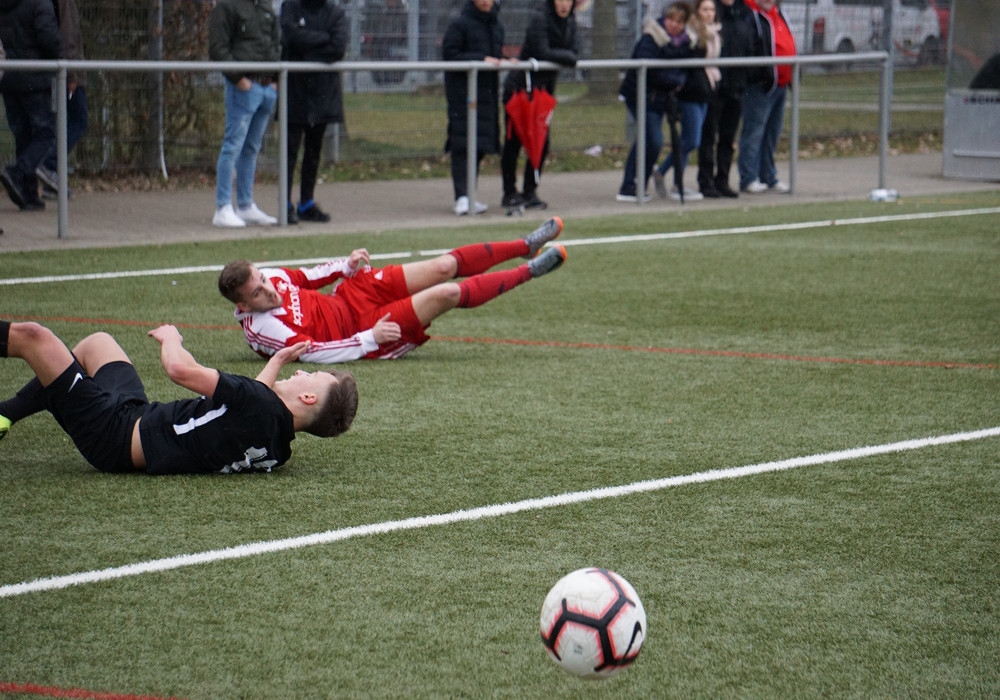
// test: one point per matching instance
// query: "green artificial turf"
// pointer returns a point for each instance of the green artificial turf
(638, 360)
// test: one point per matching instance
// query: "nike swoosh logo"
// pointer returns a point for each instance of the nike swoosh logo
(77, 378)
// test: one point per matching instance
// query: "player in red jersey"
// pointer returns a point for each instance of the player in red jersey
(375, 313)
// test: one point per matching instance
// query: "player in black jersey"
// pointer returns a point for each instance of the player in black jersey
(238, 424)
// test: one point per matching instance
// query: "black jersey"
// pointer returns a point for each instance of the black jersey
(243, 426)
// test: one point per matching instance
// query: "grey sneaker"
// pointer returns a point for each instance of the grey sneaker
(48, 177)
(548, 261)
(659, 184)
(549, 231)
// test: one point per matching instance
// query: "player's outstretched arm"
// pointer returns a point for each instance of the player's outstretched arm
(269, 375)
(180, 364)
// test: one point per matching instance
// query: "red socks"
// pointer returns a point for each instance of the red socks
(480, 289)
(477, 258)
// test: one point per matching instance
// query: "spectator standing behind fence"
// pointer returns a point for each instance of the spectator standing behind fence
(314, 31)
(764, 100)
(77, 111)
(551, 36)
(718, 134)
(693, 98)
(662, 38)
(243, 30)
(29, 31)
(476, 34)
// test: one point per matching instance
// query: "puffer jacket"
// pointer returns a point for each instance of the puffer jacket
(472, 36)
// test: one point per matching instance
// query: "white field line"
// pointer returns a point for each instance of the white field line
(739, 230)
(491, 511)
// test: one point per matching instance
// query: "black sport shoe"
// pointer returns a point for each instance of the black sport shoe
(549, 231)
(531, 201)
(12, 183)
(548, 261)
(510, 201)
(314, 213)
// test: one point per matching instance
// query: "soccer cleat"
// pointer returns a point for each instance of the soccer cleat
(253, 216)
(225, 217)
(4, 427)
(549, 231)
(547, 261)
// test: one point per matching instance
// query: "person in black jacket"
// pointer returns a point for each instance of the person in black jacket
(664, 38)
(551, 36)
(475, 35)
(29, 31)
(718, 136)
(313, 31)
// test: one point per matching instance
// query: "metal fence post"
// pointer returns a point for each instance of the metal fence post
(472, 138)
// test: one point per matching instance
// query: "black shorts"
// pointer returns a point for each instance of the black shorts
(99, 412)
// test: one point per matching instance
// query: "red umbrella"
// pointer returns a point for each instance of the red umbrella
(529, 113)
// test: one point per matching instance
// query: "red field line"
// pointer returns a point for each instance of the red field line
(941, 364)
(52, 692)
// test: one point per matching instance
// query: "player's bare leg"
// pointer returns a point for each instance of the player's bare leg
(44, 352)
(97, 350)
(49, 357)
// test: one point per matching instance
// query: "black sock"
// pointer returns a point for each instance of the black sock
(27, 402)
(4, 335)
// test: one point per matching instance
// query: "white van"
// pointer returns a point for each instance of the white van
(846, 26)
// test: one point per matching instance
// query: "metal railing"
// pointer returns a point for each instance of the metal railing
(472, 70)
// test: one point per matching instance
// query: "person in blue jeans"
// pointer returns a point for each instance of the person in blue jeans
(764, 100)
(28, 31)
(693, 98)
(243, 30)
(77, 110)
(661, 38)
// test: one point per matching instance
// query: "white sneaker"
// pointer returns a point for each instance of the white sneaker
(755, 187)
(633, 198)
(255, 217)
(780, 187)
(461, 206)
(689, 195)
(479, 208)
(225, 217)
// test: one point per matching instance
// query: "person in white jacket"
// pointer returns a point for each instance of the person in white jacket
(375, 313)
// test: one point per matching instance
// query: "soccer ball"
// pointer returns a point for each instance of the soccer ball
(593, 623)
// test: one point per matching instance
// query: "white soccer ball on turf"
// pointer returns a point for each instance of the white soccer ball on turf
(593, 623)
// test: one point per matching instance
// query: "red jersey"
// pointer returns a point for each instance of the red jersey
(337, 325)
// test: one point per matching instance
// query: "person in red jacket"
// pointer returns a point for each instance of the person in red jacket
(375, 313)
(764, 100)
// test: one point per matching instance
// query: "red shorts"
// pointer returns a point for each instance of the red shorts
(374, 292)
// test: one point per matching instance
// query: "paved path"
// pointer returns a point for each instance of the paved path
(150, 218)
